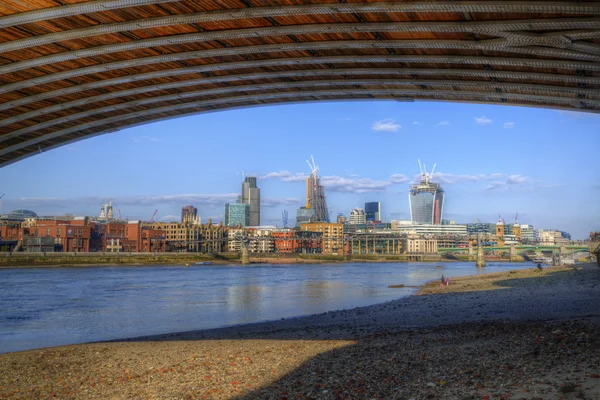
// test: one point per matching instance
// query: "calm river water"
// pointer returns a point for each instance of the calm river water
(42, 307)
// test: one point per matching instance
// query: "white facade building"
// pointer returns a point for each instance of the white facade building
(429, 229)
(357, 217)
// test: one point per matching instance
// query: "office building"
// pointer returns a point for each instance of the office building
(357, 217)
(417, 244)
(308, 242)
(373, 211)
(189, 215)
(303, 216)
(237, 214)
(429, 229)
(106, 212)
(315, 209)
(426, 200)
(285, 240)
(333, 235)
(341, 219)
(481, 227)
(251, 195)
(527, 233)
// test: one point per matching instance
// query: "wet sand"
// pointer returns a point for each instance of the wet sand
(520, 334)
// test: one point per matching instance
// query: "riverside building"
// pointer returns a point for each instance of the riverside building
(429, 229)
(333, 235)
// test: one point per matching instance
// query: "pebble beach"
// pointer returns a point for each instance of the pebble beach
(510, 335)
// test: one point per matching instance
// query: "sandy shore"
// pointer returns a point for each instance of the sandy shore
(520, 334)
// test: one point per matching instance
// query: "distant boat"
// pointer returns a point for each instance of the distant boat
(204, 263)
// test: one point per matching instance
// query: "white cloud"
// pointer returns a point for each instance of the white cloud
(495, 185)
(349, 184)
(443, 123)
(513, 181)
(399, 178)
(285, 176)
(354, 185)
(509, 125)
(169, 218)
(386, 125)
(483, 121)
(517, 179)
(53, 205)
(441, 177)
(42, 203)
(416, 122)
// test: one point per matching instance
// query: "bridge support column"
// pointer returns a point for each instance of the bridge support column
(514, 257)
(480, 263)
(245, 258)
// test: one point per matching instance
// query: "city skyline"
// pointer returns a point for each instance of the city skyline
(491, 160)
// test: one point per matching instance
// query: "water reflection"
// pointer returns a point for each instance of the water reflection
(48, 307)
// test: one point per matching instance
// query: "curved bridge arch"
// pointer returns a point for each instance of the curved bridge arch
(75, 71)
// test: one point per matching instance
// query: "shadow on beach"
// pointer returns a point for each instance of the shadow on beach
(517, 334)
(478, 340)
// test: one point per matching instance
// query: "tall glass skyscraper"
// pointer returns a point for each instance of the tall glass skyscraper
(251, 195)
(426, 200)
(237, 214)
(373, 211)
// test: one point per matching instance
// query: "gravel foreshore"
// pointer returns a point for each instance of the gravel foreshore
(511, 335)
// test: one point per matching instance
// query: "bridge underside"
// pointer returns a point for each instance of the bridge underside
(72, 69)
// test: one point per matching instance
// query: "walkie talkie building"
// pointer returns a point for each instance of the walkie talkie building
(426, 200)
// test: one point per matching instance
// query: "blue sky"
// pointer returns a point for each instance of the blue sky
(491, 160)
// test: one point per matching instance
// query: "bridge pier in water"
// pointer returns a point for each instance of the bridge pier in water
(480, 263)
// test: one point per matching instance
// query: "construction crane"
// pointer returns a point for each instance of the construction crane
(284, 216)
(153, 215)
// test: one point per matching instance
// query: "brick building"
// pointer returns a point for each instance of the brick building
(193, 238)
(285, 240)
(309, 242)
(69, 235)
(333, 235)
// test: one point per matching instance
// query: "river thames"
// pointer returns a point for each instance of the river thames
(43, 307)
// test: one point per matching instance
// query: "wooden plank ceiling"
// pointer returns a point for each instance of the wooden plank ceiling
(71, 69)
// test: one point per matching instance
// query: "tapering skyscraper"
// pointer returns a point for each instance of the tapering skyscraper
(316, 203)
(426, 199)
(251, 196)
